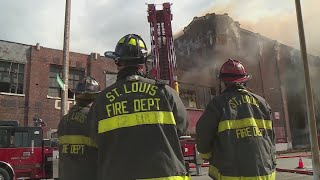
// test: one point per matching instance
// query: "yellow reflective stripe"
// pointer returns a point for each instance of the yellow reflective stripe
(244, 90)
(128, 120)
(77, 139)
(121, 40)
(141, 44)
(169, 178)
(206, 155)
(214, 172)
(132, 42)
(242, 123)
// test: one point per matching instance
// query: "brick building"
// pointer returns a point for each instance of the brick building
(277, 71)
(28, 85)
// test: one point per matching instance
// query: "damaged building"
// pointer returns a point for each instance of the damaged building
(277, 69)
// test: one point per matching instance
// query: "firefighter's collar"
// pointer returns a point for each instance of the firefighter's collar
(133, 78)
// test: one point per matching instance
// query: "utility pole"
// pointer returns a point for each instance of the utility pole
(66, 40)
(310, 107)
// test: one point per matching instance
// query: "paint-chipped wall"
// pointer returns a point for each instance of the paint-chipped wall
(12, 106)
(14, 52)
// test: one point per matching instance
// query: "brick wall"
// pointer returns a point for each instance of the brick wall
(35, 100)
(12, 107)
(46, 107)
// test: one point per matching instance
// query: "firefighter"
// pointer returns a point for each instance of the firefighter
(235, 132)
(38, 122)
(136, 121)
(77, 151)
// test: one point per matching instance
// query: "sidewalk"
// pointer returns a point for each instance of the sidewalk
(289, 163)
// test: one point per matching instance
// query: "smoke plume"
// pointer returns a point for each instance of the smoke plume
(275, 19)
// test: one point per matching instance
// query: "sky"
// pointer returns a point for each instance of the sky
(97, 25)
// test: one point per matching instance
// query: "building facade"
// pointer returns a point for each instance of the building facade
(208, 41)
(28, 80)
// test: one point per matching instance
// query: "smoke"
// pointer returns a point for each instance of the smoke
(270, 18)
(274, 19)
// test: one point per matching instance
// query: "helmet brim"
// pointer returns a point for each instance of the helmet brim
(236, 79)
(111, 55)
(86, 92)
(124, 60)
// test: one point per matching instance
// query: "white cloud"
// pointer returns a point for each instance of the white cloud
(97, 25)
(275, 19)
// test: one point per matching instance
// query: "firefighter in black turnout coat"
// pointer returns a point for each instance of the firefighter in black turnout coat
(77, 151)
(235, 133)
(136, 121)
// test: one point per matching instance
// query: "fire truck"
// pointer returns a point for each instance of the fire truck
(24, 154)
(163, 66)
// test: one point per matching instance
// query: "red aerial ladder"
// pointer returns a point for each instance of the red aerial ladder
(164, 64)
(162, 47)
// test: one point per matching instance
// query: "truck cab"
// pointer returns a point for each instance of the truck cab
(23, 152)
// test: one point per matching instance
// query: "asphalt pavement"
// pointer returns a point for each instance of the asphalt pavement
(279, 176)
(291, 162)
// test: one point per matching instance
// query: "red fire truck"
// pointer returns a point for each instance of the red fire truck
(24, 154)
(163, 67)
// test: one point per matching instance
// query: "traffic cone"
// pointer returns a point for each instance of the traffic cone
(300, 164)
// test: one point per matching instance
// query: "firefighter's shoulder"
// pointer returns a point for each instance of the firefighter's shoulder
(159, 82)
(162, 82)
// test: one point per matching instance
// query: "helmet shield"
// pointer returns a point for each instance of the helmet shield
(87, 85)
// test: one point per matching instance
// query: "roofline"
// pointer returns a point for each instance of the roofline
(46, 47)
(15, 42)
(62, 50)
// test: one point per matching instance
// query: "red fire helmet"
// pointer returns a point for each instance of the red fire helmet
(233, 71)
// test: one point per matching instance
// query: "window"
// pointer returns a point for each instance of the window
(188, 98)
(213, 92)
(54, 135)
(21, 139)
(221, 39)
(74, 77)
(4, 138)
(11, 77)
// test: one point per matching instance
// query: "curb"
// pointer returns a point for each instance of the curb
(305, 172)
(191, 165)
(293, 156)
(303, 150)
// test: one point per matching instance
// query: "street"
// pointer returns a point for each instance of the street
(279, 176)
(283, 163)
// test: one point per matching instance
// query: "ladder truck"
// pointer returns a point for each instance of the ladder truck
(164, 66)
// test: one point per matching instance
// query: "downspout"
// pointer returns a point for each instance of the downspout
(260, 58)
(27, 87)
(283, 98)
